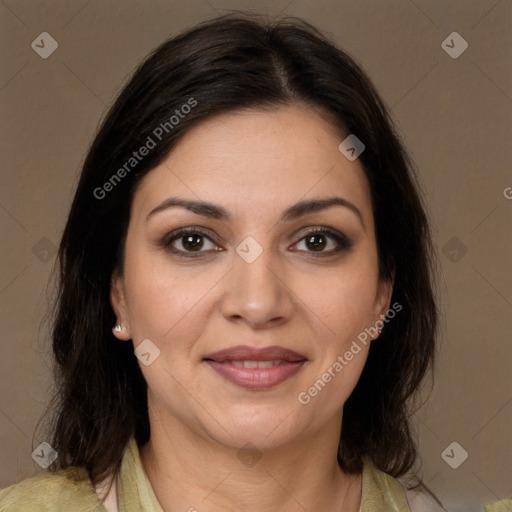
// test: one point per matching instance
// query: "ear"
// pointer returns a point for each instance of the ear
(383, 298)
(118, 302)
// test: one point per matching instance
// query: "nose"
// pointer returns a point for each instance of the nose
(258, 293)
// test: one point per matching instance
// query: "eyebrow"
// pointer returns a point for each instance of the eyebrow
(295, 211)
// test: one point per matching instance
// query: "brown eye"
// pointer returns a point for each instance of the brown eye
(317, 240)
(188, 241)
(192, 242)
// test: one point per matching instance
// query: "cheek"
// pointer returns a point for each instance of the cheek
(341, 350)
(341, 307)
(342, 301)
(167, 301)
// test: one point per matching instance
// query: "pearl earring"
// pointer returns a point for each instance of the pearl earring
(117, 329)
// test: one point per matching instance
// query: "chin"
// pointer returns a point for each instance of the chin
(264, 429)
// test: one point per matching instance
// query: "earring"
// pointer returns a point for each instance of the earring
(117, 329)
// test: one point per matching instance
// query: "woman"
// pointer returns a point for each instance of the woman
(246, 304)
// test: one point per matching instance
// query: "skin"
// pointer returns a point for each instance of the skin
(255, 164)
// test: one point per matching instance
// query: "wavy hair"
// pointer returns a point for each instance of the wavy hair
(234, 62)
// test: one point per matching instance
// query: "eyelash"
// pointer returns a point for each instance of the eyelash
(343, 242)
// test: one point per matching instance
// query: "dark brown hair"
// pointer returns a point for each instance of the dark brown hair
(233, 62)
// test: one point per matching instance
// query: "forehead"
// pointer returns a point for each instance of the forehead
(253, 159)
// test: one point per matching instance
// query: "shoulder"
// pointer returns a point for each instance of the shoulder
(384, 492)
(66, 490)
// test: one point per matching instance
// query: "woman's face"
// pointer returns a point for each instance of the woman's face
(256, 278)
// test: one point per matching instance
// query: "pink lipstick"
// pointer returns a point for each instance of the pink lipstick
(254, 368)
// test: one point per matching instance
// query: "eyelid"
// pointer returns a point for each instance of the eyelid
(176, 233)
(341, 239)
(320, 229)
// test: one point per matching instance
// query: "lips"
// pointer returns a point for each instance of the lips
(246, 353)
(256, 368)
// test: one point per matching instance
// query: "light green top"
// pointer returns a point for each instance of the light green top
(70, 490)
(499, 506)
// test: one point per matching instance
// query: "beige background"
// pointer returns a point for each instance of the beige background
(454, 115)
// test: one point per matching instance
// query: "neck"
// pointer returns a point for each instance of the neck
(190, 471)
